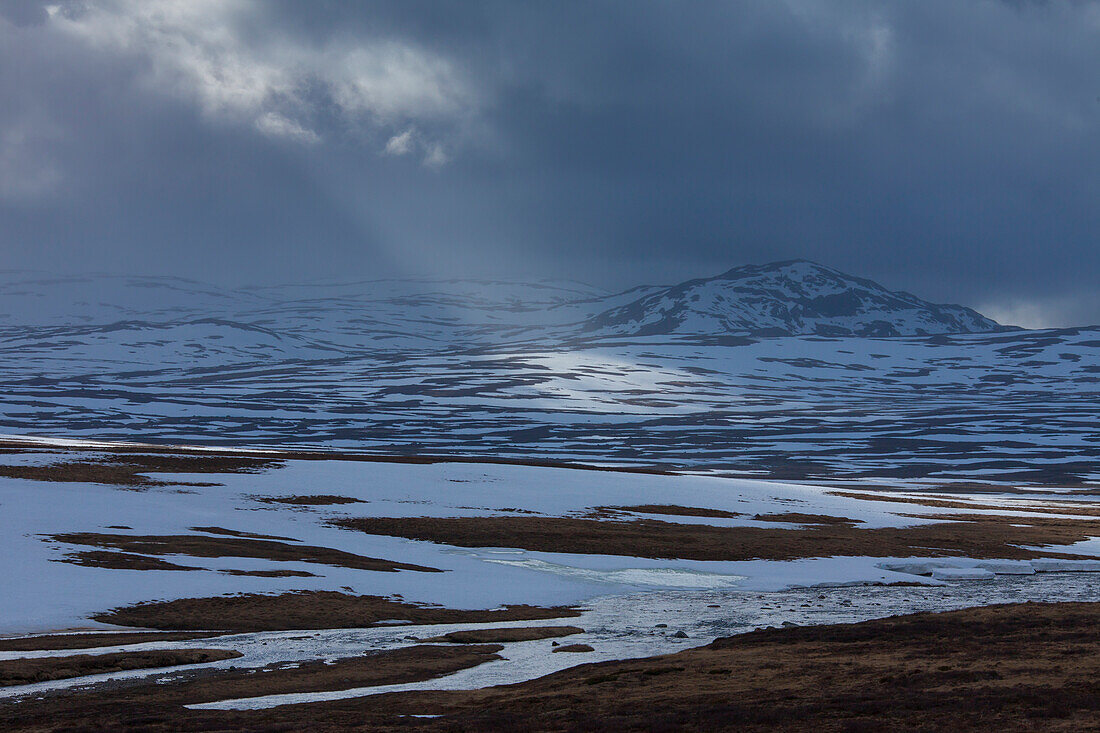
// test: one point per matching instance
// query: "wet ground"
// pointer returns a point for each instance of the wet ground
(616, 627)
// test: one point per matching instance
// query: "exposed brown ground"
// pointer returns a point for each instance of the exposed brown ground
(574, 648)
(1001, 669)
(407, 664)
(1047, 506)
(26, 671)
(269, 573)
(120, 561)
(184, 452)
(799, 518)
(307, 610)
(1006, 668)
(129, 470)
(1022, 489)
(977, 536)
(237, 533)
(157, 707)
(495, 636)
(308, 500)
(202, 546)
(672, 510)
(87, 641)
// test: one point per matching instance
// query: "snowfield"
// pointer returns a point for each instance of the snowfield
(49, 595)
(625, 597)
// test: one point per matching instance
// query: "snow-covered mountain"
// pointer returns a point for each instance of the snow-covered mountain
(786, 299)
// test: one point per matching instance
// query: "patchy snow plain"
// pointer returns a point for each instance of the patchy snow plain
(496, 369)
(47, 594)
(632, 605)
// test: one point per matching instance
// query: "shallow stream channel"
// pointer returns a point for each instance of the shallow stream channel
(615, 626)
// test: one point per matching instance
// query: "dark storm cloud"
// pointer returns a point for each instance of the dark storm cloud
(946, 148)
(22, 13)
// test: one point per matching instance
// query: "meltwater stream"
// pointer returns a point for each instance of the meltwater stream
(617, 627)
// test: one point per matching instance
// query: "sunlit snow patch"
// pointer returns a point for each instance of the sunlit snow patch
(647, 577)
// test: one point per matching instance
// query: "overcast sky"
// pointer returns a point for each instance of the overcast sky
(949, 148)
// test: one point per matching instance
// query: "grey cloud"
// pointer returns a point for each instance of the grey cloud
(946, 148)
(22, 13)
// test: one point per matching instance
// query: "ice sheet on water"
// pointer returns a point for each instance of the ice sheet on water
(1052, 565)
(639, 577)
(962, 574)
(1007, 567)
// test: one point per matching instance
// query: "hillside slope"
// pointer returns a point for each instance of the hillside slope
(786, 299)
